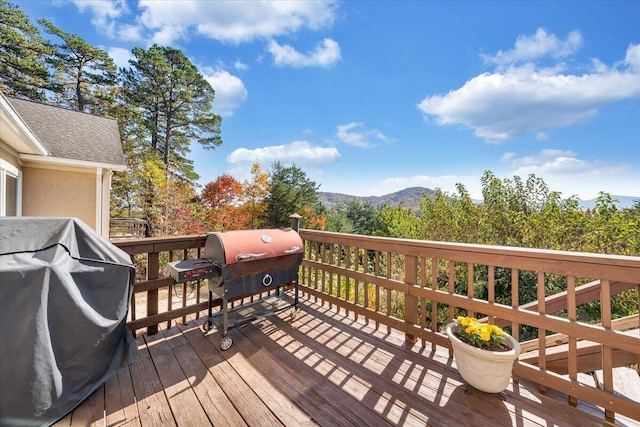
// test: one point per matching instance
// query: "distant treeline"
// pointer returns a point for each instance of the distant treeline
(513, 212)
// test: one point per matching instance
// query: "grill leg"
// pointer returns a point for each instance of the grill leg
(225, 319)
(209, 323)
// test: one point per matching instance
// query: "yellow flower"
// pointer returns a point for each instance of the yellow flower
(485, 332)
(472, 329)
(482, 335)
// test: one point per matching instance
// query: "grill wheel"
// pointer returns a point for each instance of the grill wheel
(226, 343)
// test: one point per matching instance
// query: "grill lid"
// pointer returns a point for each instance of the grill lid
(231, 247)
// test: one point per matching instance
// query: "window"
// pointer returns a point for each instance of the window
(9, 194)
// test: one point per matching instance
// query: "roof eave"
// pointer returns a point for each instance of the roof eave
(59, 161)
(26, 138)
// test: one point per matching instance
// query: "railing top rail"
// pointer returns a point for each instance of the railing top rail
(131, 220)
(469, 247)
(160, 244)
(603, 266)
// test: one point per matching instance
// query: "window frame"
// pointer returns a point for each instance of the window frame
(17, 175)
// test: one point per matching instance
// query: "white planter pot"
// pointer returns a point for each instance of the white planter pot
(488, 371)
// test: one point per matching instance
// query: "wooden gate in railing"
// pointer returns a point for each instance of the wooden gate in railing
(418, 286)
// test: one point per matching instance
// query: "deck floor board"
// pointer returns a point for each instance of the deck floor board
(322, 368)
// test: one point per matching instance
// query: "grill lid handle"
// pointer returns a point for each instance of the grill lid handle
(240, 257)
(293, 250)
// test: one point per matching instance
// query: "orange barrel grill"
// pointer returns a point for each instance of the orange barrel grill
(244, 263)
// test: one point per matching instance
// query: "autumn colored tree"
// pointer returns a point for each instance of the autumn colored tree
(315, 219)
(254, 192)
(185, 213)
(222, 199)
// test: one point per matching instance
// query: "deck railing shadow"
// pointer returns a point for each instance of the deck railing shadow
(416, 287)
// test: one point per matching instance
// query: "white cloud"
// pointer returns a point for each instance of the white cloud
(129, 33)
(541, 44)
(633, 58)
(240, 66)
(522, 99)
(107, 9)
(120, 56)
(506, 157)
(325, 54)
(548, 160)
(238, 21)
(230, 91)
(566, 172)
(104, 13)
(168, 35)
(355, 134)
(299, 152)
(542, 136)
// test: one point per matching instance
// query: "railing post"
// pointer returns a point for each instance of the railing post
(410, 301)
(153, 272)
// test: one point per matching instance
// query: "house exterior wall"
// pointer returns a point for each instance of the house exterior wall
(48, 192)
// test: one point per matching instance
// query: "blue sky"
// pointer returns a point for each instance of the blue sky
(370, 97)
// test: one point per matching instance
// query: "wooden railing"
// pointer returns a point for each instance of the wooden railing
(417, 287)
(123, 228)
(154, 291)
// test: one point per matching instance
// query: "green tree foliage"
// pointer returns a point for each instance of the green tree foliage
(125, 189)
(291, 191)
(86, 75)
(522, 214)
(175, 104)
(353, 216)
(23, 70)
(400, 222)
(609, 230)
(449, 218)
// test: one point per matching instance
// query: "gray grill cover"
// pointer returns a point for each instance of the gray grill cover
(64, 298)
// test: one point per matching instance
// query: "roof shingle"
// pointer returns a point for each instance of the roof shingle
(71, 134)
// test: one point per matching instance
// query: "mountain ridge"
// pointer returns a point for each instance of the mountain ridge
(410, 198)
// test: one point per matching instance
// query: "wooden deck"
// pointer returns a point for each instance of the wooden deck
(322, 368)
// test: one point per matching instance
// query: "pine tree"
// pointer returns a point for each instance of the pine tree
(23, 70)
(291, 191)
(175, 102)
(86, 74)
